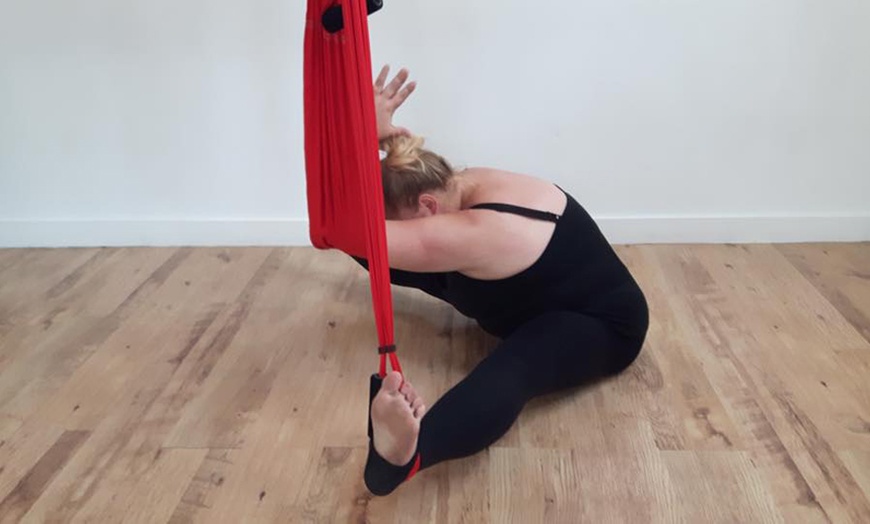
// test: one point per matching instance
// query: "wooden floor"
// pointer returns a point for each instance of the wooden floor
(229, 385)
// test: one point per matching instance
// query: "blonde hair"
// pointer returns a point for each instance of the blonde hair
(408, 170)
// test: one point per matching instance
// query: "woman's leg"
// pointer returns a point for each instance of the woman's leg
(555, 351)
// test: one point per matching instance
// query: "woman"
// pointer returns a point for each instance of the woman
(525, 260)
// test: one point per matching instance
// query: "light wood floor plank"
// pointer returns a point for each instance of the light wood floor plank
(776, 309)
(146, 492)
(8, 426)
(841, 272)
(41, 361)
(34, 275)
(703, 479)
(11, 257)
(205, 488)
(132, 368)
(858, 463)
(18, 502)
(709, 323)
(21, 451)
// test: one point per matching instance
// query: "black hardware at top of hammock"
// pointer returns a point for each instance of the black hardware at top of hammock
(333, 18)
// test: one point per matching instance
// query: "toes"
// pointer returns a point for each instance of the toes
(420, 410)
(392, 382)
(409, 392)
(418, 402)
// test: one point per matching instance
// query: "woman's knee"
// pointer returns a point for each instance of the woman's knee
(625, 355)
(634, 337)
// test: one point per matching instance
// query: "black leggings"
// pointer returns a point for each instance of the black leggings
(555, 351)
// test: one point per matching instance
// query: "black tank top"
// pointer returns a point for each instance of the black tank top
(578, 271)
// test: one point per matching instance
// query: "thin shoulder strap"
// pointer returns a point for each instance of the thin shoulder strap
(522, 211)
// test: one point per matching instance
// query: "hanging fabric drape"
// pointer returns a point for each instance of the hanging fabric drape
(344, 186)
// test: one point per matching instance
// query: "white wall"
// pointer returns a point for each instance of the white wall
(181, 122)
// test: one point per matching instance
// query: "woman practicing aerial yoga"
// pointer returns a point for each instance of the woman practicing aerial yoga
(521, 257)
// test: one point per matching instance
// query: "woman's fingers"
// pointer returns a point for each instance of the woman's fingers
(404, 94)
(382, 78)
(396, 84)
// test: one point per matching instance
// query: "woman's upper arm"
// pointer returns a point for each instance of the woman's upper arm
(440, 243)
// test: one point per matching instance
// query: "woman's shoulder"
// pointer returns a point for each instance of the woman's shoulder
(507, 187)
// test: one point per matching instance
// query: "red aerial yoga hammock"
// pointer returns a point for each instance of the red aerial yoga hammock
(343, 172)
(345, 192)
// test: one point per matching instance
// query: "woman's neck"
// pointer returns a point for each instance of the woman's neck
(459, 192)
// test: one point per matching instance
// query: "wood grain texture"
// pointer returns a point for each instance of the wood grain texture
(703, 479)
(30, 487)
(229, 385)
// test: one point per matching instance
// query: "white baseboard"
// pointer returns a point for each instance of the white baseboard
(124, 233)
(735, 229)
(294, 232)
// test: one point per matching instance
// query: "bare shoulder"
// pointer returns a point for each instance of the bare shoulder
(506, 187)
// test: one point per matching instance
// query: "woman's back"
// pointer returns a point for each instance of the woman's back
(562, 261)
(525, 239)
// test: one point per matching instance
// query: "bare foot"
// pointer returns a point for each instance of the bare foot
(396, 415)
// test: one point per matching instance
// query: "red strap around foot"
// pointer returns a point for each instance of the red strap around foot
(414, 469)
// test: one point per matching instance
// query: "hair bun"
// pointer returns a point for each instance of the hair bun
(402, 152)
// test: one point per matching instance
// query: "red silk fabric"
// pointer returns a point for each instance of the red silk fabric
(343, 173)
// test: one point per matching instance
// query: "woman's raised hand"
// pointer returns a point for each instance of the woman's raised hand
(388, 98)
